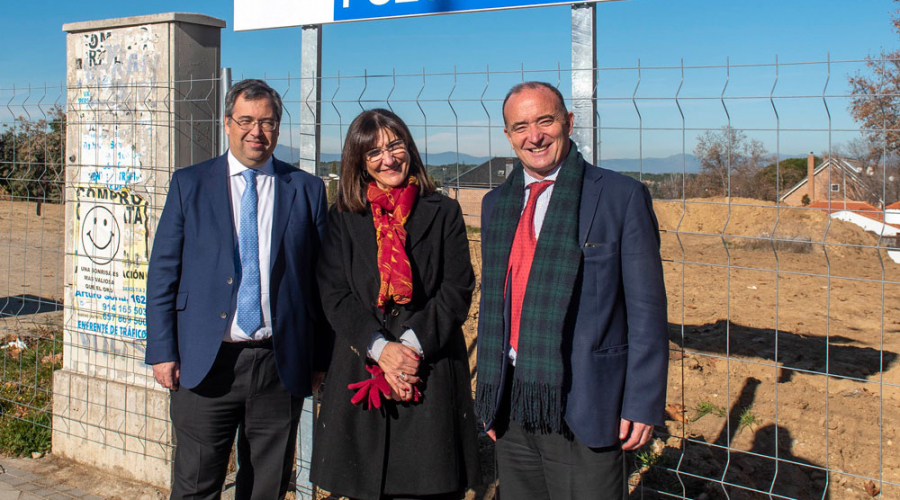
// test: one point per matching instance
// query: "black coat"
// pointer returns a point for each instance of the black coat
(421, 448)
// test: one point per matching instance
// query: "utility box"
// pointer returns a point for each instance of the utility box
(142, 101)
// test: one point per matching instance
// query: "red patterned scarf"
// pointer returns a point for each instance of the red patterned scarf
(390, 211)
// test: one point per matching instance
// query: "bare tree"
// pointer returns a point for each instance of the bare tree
(31, 158)
(879, 175)
(729, 162)
(875, 104)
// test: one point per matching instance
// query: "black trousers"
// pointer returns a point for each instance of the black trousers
(242, 390)
(553, 466)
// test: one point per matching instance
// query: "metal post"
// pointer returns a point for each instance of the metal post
(304, 489)
(311, 97)
(224, 87)
(310, 130)
(584, 79)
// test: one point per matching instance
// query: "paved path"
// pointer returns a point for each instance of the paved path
(17, 484)
(58, 479)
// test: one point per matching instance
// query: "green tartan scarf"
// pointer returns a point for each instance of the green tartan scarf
(537, 394)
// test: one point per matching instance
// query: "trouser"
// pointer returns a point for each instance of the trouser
(242, 390)
(554, 466)
(442, 496)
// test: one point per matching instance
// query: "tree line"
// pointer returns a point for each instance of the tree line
(32, 155)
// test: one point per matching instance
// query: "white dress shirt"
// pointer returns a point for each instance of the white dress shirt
(265, 190)
(540, 211)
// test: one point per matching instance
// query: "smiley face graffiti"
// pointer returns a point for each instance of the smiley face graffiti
(100, 235)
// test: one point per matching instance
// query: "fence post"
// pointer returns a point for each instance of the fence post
(224, 87)
(310, 97)
(140, 102)
(584, 79)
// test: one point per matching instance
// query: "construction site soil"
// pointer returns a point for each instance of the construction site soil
(784, 333)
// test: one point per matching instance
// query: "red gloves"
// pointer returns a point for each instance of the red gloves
(369, 389)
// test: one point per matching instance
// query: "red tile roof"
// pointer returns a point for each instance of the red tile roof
(859, 207)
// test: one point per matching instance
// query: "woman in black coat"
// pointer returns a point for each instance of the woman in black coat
(396, 282)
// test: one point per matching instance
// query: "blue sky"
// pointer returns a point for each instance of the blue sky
(659, 33)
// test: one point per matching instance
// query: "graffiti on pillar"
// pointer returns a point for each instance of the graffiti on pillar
(95, 45)
(111, 257)
(115, 99)
(110, 157)
(131, 51)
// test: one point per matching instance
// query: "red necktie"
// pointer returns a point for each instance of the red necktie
(520, 258)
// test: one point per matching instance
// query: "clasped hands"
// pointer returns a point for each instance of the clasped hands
(400, 364)
(395, 376)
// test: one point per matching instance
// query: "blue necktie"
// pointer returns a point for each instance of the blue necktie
(249, 311)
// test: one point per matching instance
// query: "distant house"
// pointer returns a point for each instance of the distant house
(859, 207)
(892, 214)
(487, 175)
(470, 187)
(835, 180)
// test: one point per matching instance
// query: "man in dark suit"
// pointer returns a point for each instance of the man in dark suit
(233, 322)
(572, 347)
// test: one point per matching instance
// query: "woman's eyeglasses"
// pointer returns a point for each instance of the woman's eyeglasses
(395, 149)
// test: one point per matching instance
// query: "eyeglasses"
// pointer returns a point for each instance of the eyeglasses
(395, 149)
(247, 124)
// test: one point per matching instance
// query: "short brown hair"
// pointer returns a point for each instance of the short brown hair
(252, 90)
(362, 136)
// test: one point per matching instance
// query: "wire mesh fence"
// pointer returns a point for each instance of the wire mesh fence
(781, 265)
(31, 280)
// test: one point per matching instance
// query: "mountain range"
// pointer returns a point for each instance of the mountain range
(290, 155)
(668, 164)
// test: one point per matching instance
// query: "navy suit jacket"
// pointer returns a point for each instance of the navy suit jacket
(615, 353)
(193, 277)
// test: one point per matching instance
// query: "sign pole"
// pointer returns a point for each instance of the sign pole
(311, 97)
(310, 132)
(224, 87)
(584, 79)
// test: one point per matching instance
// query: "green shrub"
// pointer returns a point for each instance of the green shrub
(26, 387)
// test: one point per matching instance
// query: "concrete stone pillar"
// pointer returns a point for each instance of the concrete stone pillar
(142, 100)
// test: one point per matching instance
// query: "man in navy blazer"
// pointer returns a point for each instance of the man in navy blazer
(233, 322)
(612, 345)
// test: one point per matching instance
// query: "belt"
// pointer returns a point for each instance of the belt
(265, 343)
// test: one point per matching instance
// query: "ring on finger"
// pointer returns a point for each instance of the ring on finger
(402, 376)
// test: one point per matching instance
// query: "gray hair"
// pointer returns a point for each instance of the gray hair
(251, 90)
(521, 87)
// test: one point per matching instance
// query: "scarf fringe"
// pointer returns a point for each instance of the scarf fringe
(537, 407)
(485, 402)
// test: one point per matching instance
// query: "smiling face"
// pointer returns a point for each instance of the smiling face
(252, 147)
(100, 235)
(101, 232)
(538, 129)
(392, 167)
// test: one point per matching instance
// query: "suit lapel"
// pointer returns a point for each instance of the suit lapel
(420, 220)
(590, 196)
(285, 193)
(362, 232)
(220, 197)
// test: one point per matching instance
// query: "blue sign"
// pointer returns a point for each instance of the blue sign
(356, 10)
(265, 14)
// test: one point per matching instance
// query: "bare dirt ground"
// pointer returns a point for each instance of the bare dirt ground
(784, 330)
(32, 251)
